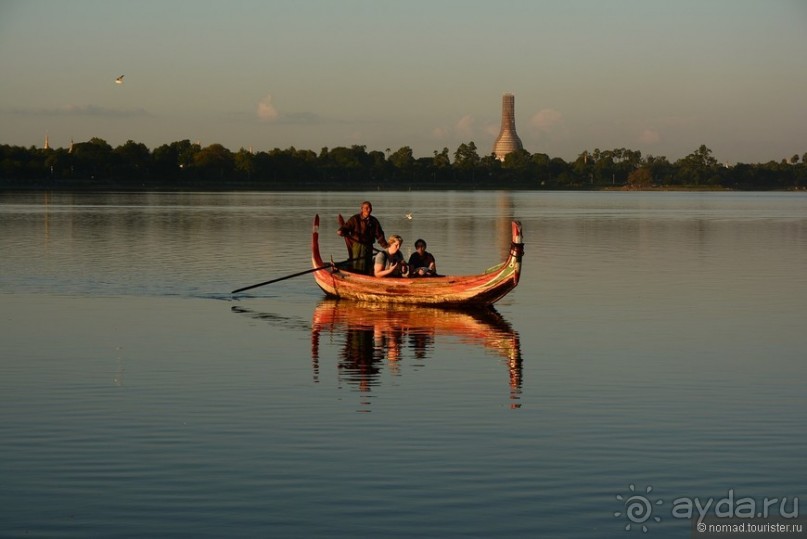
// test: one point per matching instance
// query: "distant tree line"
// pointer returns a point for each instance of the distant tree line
(183, 165)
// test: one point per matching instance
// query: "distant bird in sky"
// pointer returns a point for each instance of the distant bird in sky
(409, 215)
(119, 80)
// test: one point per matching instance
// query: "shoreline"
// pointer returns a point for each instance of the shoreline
(89, 186)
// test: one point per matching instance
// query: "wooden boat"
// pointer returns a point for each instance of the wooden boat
(445, 291)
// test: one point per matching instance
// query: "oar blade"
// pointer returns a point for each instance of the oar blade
(299, 273)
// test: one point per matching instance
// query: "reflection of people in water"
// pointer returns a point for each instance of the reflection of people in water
(358, 360)
(365, 350)
(373, 336)
(421, 342)
(389, 342)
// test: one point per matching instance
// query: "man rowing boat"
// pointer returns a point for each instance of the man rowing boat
(360, 232)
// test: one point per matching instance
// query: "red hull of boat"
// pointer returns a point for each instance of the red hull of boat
(483, 289)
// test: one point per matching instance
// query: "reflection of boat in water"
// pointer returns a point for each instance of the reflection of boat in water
(378, 334)
(447, 290)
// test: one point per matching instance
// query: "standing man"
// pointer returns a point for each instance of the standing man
(361, 231)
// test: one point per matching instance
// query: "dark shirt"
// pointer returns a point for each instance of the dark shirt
(365, 231)
(416, 261)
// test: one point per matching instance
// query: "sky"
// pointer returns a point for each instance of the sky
(656, 76)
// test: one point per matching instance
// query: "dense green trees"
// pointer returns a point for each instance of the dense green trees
(183, 165)
(698, 168)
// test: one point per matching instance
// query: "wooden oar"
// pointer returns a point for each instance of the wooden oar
(312, 270)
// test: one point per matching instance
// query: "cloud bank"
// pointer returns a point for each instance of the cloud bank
(649, 136)
(462, 129)
(83, 110)
(546, 120)
(266, 111)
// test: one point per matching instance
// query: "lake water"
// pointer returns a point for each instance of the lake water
(654, 349)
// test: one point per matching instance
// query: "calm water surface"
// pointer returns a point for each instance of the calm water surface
(656, 340)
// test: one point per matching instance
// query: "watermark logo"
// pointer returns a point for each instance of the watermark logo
(640, 509)
(637, 509)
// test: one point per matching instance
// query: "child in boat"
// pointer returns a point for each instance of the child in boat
(422, 262)
(390, 262)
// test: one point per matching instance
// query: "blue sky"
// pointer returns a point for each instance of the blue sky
(656, 76)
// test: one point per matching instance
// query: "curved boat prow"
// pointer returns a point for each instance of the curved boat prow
(316, 259)
(517, 250)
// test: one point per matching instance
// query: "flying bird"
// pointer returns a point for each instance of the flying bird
(119, 80)
(409, 215)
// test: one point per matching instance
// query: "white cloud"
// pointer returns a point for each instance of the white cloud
(546, 120)
(439, 133)
(465, 126)
(266, 111)
(649, 136)
(462, 129)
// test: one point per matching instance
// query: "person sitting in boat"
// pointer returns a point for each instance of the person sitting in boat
(422, 263)
(390, 262)
(361, 231)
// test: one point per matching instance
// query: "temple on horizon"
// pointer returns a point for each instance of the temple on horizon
(508, 140)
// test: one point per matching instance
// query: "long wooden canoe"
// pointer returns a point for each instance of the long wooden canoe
(446, 290)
